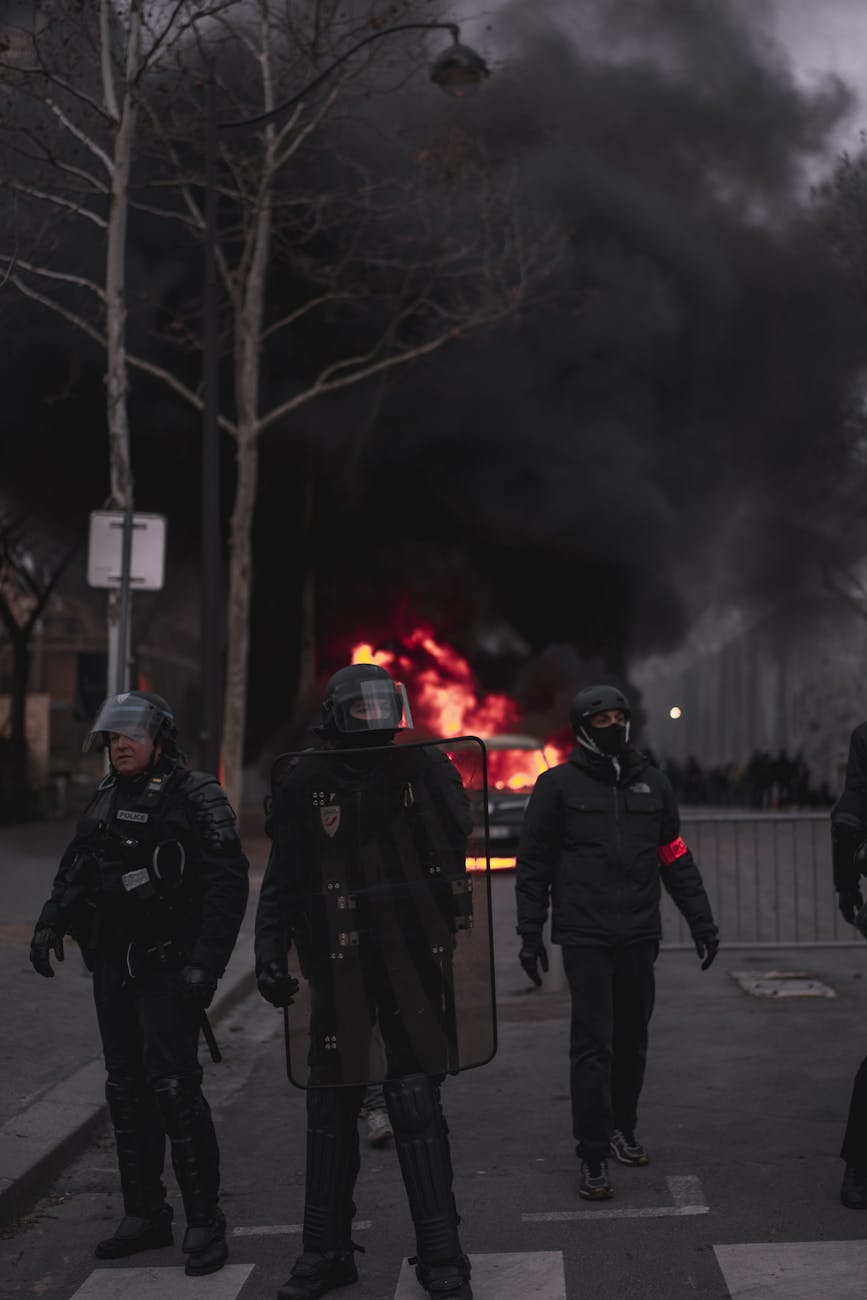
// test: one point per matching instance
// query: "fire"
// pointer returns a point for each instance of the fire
(445, 702)
(441, 687)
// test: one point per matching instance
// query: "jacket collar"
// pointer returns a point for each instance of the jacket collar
(610, 771)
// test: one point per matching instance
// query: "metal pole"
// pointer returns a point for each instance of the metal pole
(212, 631)
(124, 616)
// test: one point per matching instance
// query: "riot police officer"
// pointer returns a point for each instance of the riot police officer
(367, 880)
(153, 887)
(849, 863)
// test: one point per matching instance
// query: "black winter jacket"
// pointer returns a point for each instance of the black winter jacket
(597, 844)
(849, 815)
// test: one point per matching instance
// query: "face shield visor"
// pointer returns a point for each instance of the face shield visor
(125, 715)
(374, 705)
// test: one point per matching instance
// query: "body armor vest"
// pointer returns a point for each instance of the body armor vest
(136, 870)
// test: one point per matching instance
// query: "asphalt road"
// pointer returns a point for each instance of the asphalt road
(743, 1112)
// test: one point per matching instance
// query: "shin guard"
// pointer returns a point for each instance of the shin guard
(422, 1142)
(333, 1162)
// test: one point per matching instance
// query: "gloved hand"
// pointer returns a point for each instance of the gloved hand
(849, 903)
(198, 987)
(707, 947)
(532, 956)
(276, 985)
(45, 940)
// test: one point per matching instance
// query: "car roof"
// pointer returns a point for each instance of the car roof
(512, 740)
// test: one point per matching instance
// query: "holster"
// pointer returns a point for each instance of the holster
(145, 955)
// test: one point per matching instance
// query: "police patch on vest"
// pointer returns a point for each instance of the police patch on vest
(127, 815)
(330, 818)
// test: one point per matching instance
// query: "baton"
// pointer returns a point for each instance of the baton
(213, 1048)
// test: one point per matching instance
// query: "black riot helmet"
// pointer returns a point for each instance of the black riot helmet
(140, 715)
(363, 705)
(610, 740)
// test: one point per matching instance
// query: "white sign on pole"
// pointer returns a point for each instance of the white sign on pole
(105, 550)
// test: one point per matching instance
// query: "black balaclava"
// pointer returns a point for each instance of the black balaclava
(609, 742)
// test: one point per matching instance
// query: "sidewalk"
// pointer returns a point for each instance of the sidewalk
(52, 1078)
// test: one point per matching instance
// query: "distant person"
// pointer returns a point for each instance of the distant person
(153, 888)
(600, 834)
(849, 862)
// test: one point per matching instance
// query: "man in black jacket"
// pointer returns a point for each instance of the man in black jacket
(849, 860)
(153, 887)
(600, 832)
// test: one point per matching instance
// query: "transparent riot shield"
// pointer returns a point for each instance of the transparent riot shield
(383, 865)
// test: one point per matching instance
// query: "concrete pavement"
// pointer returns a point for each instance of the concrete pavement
(52, 1078)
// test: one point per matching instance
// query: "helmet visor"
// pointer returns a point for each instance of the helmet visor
(375, 705)
(125, 715)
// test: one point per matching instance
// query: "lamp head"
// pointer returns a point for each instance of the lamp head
(459, 70)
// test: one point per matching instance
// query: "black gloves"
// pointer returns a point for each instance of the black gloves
(276, 985)
(707, 947)
(198, 987)
(849, 902)
(45, 940)
(532, 956)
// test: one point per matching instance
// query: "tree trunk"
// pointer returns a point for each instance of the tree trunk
(20, 796)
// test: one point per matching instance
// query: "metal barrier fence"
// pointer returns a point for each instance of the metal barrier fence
(768, 877)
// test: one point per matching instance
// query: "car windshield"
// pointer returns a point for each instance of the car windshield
(514, 769)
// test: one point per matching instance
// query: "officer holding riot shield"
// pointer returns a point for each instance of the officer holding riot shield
(367, 896)
(153, 887)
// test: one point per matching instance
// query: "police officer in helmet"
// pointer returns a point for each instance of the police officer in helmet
(387, 817)
(153, 887)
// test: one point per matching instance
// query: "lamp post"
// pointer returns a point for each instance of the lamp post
(458, 70)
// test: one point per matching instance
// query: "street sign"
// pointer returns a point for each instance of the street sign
(105, 550)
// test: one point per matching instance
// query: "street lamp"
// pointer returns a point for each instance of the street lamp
(459, 70)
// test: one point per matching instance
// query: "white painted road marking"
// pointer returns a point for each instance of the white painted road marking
(794, 1270)
(283, 1229)
(685, 1191)
(538, 1274)
(163, 1284)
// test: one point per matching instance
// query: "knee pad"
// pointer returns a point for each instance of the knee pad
(413, 1105)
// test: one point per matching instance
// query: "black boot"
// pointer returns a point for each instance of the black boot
(206, 1248)
(853, 1193)
(196, 1162)
(449, 1280)
(314, 1273)
(140, 1142)
(136, 1232)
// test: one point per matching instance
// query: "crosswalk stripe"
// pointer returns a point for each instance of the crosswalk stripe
(794, 1270)
(285, 1229)
(163, 1284)
(685, 1192)
(536, 1273)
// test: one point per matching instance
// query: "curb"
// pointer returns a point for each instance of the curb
(37, 1143)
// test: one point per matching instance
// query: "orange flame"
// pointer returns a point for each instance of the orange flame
(443, 693)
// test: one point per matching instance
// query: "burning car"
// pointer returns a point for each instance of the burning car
(514, 762)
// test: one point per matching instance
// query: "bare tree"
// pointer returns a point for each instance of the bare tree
(30, 569)
(73, 83)
(390, 253)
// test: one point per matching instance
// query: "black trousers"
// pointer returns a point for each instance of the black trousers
(147, 1033)
(612, 990)
(854, 1149)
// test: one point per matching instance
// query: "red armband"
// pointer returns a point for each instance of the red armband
(671, 852)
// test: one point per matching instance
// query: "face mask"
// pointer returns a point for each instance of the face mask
(610, 740)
